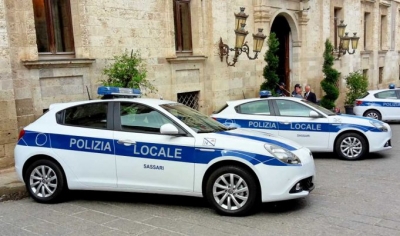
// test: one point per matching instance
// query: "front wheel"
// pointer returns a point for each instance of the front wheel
(351, 146)
(45, 181)
(232, 190)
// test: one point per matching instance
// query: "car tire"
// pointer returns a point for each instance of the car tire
(229, 199)
(351, 146)
(373, 114)
(45, 181)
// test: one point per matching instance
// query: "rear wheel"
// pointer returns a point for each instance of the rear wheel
(351, 146)
(373, 114)
(45, 181)
(232, 190)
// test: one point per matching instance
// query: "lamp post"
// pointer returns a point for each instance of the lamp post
(240, 45)
(345, 41)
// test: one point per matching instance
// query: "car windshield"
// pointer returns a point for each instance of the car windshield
(319, 108)
(197, 121)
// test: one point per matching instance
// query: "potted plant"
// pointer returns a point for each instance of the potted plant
(128, 71)
(357, 85)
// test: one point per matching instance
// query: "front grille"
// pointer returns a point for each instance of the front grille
(305, 185)
(388, 144)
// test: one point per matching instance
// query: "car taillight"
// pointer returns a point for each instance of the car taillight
(21, 134)
(358, 103)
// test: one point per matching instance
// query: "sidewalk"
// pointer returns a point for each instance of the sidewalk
(11, 188)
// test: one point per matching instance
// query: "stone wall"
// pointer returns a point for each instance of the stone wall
(8, 118)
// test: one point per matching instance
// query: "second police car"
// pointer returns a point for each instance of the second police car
(308, 124)
(158, 146)
(383, 104)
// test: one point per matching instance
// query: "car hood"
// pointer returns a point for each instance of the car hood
(353, 119)
(247, 136)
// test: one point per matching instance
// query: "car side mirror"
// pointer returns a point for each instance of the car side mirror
(314, 114)
(169, 129)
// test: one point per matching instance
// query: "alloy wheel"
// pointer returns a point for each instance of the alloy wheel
(43, 181)
(230, 191)
(351, 147)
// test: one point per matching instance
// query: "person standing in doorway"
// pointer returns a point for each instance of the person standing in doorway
(297, 91)
(309, 96)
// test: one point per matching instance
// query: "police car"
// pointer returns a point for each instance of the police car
(381, 104)
(157, 146)
(308, 124)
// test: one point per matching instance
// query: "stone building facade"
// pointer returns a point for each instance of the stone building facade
(54, 50)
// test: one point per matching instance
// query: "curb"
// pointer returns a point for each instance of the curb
(13, 193)
(11, 188)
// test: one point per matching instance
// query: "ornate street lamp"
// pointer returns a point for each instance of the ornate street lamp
(240, 44)
(345, 41)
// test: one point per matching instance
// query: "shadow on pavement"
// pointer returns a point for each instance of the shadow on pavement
(179, 201)
(370, 156)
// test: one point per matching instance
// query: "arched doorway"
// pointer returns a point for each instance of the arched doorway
(281, 28)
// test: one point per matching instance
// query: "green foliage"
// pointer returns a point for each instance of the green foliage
(272, 59)
(329, 83)
(357, 86)
(128, 71)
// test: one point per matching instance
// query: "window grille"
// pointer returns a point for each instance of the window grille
(190, 99)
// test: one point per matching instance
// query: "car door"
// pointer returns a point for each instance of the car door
(295, 123)
(390, 104)
(84, 141)
(255, 115)
(146, 159)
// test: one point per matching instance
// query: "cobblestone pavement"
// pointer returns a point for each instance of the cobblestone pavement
(351, 198)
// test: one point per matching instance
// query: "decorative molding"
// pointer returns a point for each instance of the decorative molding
(366, 52)
(262, 14)
(382, 51)
(185, 59)
(385, 3)
(58, 63)
(368, 1)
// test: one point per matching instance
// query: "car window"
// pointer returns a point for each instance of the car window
(141, 118)
(292, 108)
(389, 94)
(256, 108)
(92, 115)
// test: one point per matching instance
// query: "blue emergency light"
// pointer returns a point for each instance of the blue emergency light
(118, 92)
(265, 94)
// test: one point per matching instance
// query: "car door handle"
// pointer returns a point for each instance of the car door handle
(285, 122)
(206, 150)
(126, 142)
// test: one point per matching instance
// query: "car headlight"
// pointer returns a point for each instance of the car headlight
(379, 125)
(282, 154)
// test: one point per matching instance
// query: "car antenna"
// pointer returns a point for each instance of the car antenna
(244, 97)
(87, 89)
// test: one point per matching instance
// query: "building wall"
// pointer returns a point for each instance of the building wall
(102, 29)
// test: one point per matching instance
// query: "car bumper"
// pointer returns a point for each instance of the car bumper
(379, 141)
(279, 182)
(359, 110)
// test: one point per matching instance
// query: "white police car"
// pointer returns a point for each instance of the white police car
(158, 146)
(381, 104)
(308, 124)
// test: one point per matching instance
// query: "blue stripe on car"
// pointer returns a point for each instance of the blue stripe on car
(187, 154)
(295, 126)
(379, 104)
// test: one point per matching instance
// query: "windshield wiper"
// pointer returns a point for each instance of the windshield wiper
(205, 131)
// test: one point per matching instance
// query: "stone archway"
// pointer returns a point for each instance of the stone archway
(286, 29)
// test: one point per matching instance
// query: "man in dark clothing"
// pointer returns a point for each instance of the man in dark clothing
(310, 96)
(281, 89)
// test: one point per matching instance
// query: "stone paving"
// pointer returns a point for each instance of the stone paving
(351, 198)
